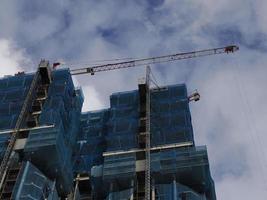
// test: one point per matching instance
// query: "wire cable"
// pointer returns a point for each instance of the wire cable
(94, 62)
(154, 80)
(252, 132)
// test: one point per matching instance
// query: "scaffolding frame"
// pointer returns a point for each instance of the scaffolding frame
(6, 159)
(147, 161)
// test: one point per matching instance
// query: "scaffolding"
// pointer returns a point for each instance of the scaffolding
(147, 160)
(6, 159)
(142, 147)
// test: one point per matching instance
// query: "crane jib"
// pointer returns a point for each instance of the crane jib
(154, 60)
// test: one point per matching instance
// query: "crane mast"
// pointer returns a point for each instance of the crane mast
(154, 60)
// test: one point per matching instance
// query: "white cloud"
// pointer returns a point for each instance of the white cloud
(92, 100)
(230, 119)
(231, 116)
(10, 58)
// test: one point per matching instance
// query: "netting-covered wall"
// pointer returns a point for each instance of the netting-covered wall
(177, 191)
(91, 144)
(51, 149)
(4, 138)
(167, 191)
(117, 131)
(13, 91)
(77, 142)
(116, 128)
(188, 165)
(120, 170)
(123, 121)
(123, 194)
(33, 184)
(170, 116)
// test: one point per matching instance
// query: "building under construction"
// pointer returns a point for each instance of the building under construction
(142, 147)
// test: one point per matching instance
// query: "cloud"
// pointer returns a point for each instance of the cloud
(92, 102)
(233, 126)
(231, 116)
(10, 58)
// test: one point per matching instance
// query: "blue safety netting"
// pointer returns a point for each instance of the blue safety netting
(13, 91)
(33, 184)
(189, 165)
(170, 123)
(123, 194)
(47, 150)
(119, 170)
(116, 128)
(122, 165)
(167, 191)
(123, 122)
(91, 144)
(4, 138)
(52, 149)
(170, 116)
(76, 142)
(177, 191)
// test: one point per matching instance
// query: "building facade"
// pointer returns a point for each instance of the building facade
(63, 153)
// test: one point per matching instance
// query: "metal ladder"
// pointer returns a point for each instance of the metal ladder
(6, 159)
(143, 185)
(147, 161)
(10, 181)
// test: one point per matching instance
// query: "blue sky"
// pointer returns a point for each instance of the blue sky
(232, 113)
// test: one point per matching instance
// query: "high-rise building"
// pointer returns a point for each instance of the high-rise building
(60, 152)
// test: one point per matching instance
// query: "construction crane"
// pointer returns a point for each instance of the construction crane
(100, 68)
(152, 60)
(146, 62)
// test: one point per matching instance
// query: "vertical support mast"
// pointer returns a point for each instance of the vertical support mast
(147, 161)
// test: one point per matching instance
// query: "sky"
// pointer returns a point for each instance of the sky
(231, 116)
